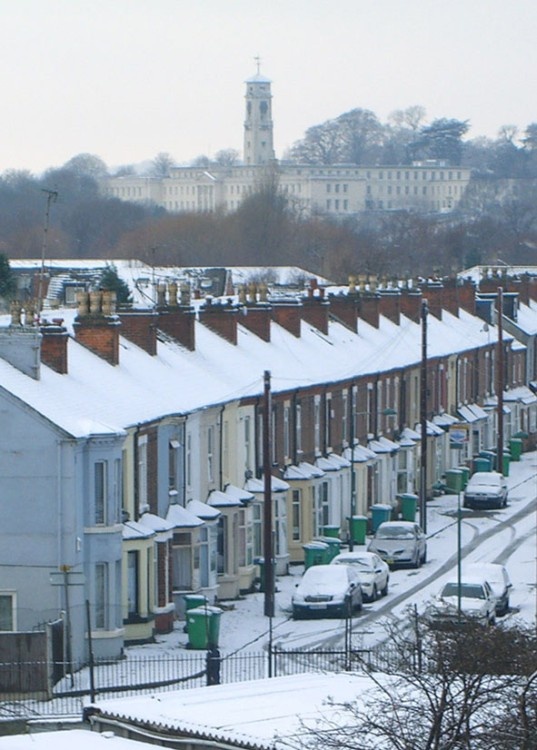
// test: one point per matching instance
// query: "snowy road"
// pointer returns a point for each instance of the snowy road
(508, 536)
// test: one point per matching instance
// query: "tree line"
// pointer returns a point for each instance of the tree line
(495, 222)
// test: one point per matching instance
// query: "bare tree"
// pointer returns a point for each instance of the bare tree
(161, 164)
(462, 689)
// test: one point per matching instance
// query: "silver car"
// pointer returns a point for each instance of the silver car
(477, 603)
(400, 543)
(327, 591)
(373, 572)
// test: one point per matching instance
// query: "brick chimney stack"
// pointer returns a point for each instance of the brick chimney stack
(54, 346)
(450, 297)
(256, 315)
(222, 319)
(140, 327)
(97, 326)
(466, 296)
(177, 319)
(433, 292)
(369, 302)
(315, 308)
(287, 313)
(344, 308)
(390, 304)
(411, 303)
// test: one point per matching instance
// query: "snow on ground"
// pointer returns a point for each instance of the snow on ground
(511, 541)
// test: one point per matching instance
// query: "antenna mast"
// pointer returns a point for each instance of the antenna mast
(52, 196)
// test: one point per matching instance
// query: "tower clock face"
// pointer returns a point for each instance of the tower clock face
(263, 107)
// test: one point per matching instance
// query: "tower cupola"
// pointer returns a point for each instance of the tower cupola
(258, 126)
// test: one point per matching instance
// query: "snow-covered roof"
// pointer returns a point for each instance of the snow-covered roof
(526, 319)
(81, 739)
(261, 714)
(180, 517)
(95, 397)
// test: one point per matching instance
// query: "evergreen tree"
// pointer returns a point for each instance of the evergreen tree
(111, 282)
(7, 280)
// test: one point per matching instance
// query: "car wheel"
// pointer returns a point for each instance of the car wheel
(417, 561)
(358, 605)
(374, 594)
(297, 615)
(384, 591)
(424, 556)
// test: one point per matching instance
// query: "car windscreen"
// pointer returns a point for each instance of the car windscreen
(355, 561)
(468, 590)
(394, 532)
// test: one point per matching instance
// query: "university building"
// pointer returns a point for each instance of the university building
(339, 189)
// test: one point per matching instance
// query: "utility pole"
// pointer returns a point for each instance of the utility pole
(52, 196)
(423, 416)
(500, 383)
(267, 504)
(353, 477)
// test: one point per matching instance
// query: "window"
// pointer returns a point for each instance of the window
(132, 583)
(328, 422)
(118, 494)
(203, 556)
(221, 545)
(325, 505)
(189, 459)
(295, 520)
(286, 432)
(344, 416)
(7, 612)
(101, 596)
(257, 529)
(173, 463)
(142, 473)
(245, 556)
(247, 444)
(210, 453)
(99, 488)
(298, 418)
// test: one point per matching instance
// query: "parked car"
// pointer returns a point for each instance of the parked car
(400, 543)
(327, 590)
(477, 603)
(486, 489)
(498, 579)
(373, 572)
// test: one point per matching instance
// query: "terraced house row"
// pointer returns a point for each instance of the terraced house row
(131, 461)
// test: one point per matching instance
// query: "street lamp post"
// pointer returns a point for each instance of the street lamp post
(423, 416)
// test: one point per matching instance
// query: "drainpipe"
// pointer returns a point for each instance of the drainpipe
(221, 443)
(135, 478)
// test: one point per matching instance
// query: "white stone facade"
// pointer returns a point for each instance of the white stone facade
(430, 187)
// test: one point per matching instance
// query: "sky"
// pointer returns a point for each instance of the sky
(127, 79)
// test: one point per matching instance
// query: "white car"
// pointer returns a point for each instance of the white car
(400, 543)
(486, 489)
(477, 603)
(373, 572)
(498, 579)
(327, 590)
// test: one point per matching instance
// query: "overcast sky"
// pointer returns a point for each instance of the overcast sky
(125, 79)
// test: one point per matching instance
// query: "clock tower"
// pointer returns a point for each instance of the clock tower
(258, 127)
